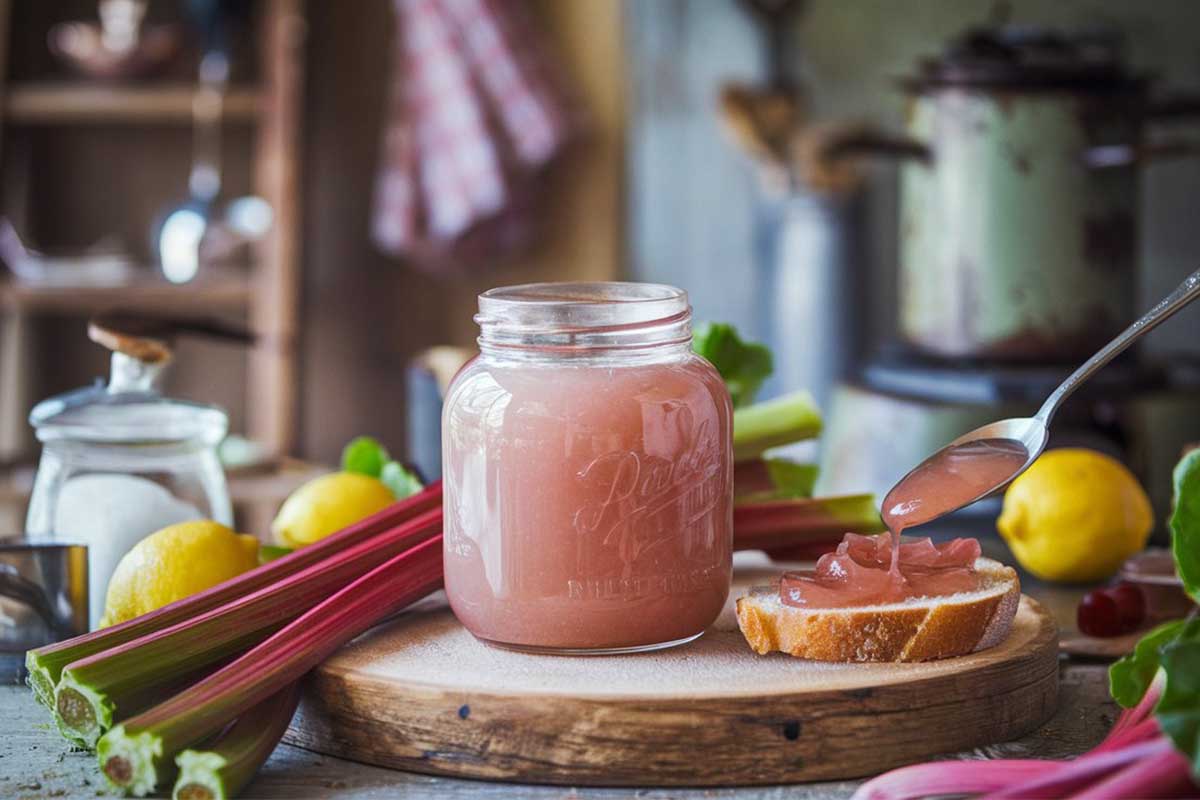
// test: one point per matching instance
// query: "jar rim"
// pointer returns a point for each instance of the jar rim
(584, 314)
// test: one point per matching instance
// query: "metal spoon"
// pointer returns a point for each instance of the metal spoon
(1030, 432)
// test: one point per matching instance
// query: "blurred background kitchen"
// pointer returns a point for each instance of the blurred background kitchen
(849, 182)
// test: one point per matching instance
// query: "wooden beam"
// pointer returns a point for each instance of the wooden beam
(272, 380)
(46, 103)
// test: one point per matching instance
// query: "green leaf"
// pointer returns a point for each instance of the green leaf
(401, 482)
(365, 455)
(1178, 710)
(270, 552)
(1130, 677)
(1185, 523)
(742, 365)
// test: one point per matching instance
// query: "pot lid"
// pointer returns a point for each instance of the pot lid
(899, 370)
(1029, 56)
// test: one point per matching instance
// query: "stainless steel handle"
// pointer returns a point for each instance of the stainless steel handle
(1185, 293)
(24, 591)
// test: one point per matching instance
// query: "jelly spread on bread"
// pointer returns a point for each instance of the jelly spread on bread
(872, 570)
(862, 572)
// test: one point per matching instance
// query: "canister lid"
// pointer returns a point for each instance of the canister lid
(1029, 57)
(130, 408)
(126, 413)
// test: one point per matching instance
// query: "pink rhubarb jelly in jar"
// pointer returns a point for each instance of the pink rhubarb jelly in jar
(587, 466)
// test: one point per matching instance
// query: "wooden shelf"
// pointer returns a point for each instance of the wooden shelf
(218, 291)
(46, 103)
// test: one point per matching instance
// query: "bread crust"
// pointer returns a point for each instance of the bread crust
(941, 627)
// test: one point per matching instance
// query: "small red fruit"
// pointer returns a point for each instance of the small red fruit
(1131, 605)
(1098, 614)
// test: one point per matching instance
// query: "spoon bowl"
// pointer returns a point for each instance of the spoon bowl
(1031, 432)
(906, 504)
(944, 482)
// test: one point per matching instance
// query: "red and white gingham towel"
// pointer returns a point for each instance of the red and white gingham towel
(476, 110)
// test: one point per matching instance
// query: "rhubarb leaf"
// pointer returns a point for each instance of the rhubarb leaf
(401, 482)
(365, 455)
(1185, 523)
(742, 365)
(1178, 710)
(269, 552)
(1130, 677)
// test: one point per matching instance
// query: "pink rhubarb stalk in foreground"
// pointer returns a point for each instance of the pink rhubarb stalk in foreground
(99, 690)
(137, 755)
(45, 665)
(1134, 760)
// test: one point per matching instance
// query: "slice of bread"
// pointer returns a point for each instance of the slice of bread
(918, 629)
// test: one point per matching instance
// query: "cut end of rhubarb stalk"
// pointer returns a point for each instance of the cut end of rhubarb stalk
(128, 760)
(81, 713)
(39, 680)
(199, 776)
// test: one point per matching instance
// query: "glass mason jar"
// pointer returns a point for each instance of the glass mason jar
(587, 461)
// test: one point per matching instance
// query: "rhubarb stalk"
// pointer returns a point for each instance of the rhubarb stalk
(818, 523)
(224, 766)
(45, 665)
(95, 691)
(1166, 773)
(138, 754)
(1063, 778)
(772, 479)
(948, 778)
(757, 428)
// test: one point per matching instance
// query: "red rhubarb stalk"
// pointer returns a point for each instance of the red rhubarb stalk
(1064, 777)
(137, 755)
(1135, 717)
(949, 778)
(773, 525)
(1165, 773)
(101, 689)
(223, 766)
(45, 665)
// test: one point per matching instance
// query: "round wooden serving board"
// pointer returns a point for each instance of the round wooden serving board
(421, 694)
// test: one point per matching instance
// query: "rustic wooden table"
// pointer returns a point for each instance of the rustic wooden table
(36, 763)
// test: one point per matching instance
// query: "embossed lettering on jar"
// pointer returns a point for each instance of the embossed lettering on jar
(588, 472)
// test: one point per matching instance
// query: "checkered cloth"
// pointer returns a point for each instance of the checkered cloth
(476, 111)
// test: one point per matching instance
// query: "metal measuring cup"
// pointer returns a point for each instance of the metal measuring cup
(43, 598)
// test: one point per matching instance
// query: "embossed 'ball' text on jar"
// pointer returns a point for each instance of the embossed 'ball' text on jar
(588, 468)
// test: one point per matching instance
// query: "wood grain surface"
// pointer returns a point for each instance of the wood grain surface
(421, 694)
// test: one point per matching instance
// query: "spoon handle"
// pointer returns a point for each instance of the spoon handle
(1185, 293)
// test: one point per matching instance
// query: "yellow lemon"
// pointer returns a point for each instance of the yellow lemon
(175, 562)
(327, 504)
(1075, 515)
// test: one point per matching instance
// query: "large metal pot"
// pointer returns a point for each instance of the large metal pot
(1019, 196)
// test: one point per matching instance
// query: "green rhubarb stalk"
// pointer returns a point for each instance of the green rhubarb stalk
(773, 479)
(780, 524)
(138, 754)
(222, 768)
(757, 428)
(95, 691)
(45, 664)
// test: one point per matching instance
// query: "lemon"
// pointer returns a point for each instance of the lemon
(175, 562)
(327, 504)
(1075, 515)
